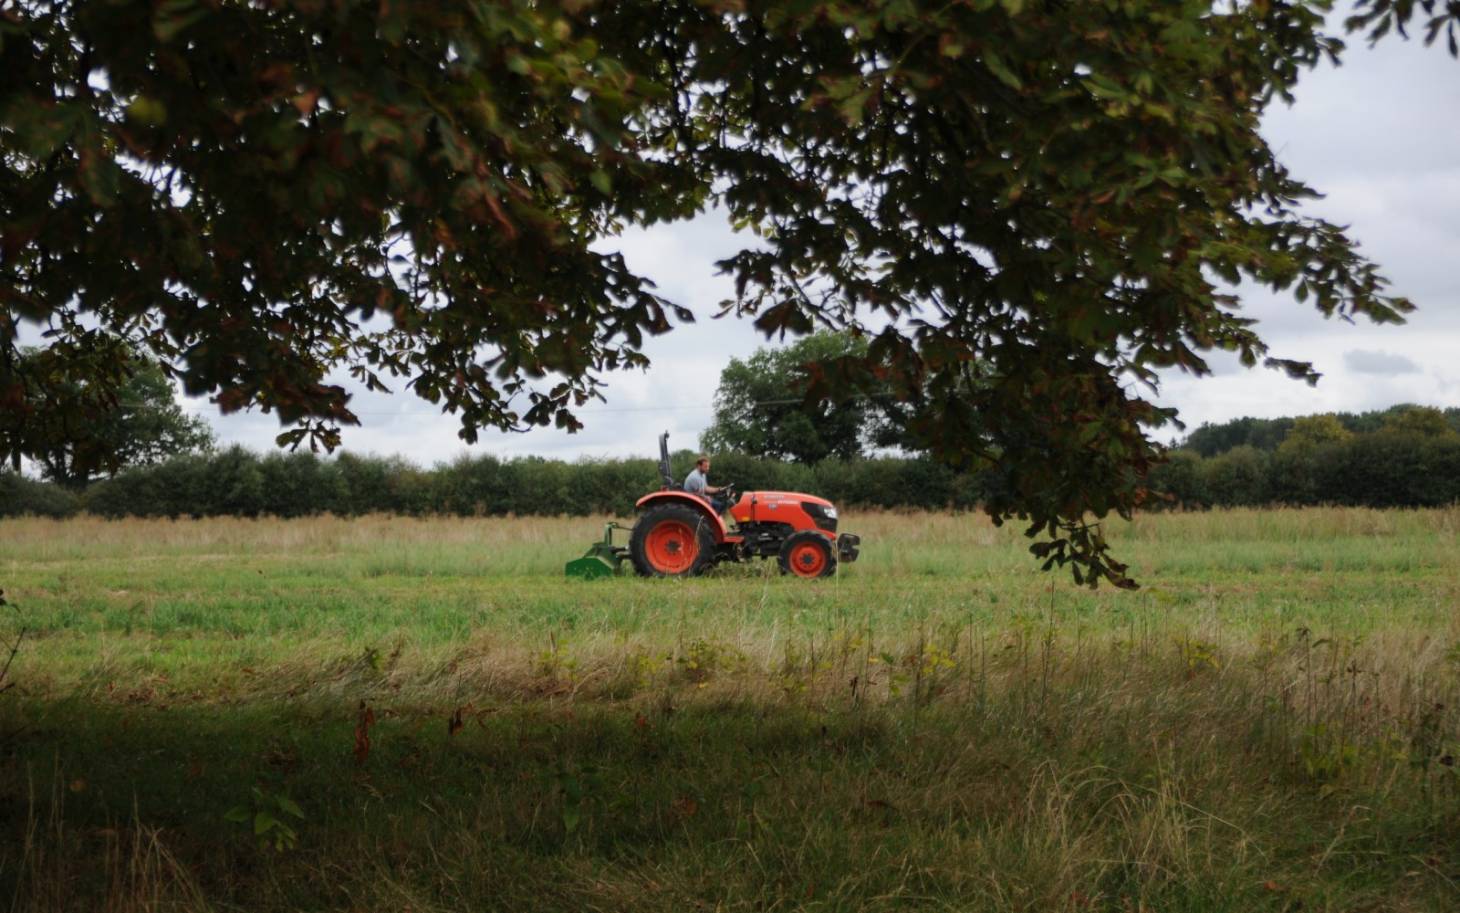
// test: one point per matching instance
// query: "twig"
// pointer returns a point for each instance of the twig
(14, 647)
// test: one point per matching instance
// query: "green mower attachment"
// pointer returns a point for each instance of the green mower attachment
(603, 559)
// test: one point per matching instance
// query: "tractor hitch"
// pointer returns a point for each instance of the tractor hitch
(603, 559)
(848, 547)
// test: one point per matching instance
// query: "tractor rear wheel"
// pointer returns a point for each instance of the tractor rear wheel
(672, 541)
(807, 554)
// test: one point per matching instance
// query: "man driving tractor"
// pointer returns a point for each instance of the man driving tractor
(697, 483)
(680, 531)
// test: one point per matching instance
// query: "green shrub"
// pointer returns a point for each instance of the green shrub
(21, 497)
(1236, 478)
(235, 483)
(1178, 482)
(301, 484)
(472, 486)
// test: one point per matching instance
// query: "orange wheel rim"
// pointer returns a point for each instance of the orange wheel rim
(671, 547)
(808, 560)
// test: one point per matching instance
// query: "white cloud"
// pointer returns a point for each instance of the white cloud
(1380, 138)
(1365, 361)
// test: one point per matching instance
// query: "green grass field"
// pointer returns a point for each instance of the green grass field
(1270, 723)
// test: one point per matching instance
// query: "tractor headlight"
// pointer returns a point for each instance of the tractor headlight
(823, 516)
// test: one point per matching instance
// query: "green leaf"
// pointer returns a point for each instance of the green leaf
(393, 23)
(238, 814)
(1101, 87)
(853, 106)
(100, 177)
(147, 111)
(173, 16)
(999, 68)
(45, 130)
(263, 821)
(289, 806)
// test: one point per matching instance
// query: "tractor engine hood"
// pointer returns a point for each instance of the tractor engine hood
(784, 507)
(775, 497)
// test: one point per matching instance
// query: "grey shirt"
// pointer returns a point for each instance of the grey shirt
(695, 482)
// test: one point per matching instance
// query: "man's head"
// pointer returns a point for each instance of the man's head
(702, 463)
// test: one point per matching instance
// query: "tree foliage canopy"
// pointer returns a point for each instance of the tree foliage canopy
(1270, 434)
(761, 407)
(78, 429)
(1038, 192)
(1310, 431)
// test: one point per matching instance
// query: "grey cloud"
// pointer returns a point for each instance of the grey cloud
(1370, 361)
(1386, 109)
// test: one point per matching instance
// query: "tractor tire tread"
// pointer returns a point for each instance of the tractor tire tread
(828, 567)
(704, 534)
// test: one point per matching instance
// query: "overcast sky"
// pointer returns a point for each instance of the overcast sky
(1380, 136)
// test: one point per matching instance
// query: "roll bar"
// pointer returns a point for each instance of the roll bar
(664, 473)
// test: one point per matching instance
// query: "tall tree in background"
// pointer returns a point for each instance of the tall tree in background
(761, 407)
(75, 431)
(262, 193)
(1426, 421)
(767, 405)
(1309, 432)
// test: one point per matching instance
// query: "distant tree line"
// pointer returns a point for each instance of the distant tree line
(1406, 456)
(1268, 433)
(239, 482)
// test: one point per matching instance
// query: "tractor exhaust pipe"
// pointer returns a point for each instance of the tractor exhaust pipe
(664, 473)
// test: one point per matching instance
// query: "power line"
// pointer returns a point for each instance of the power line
(584, 410)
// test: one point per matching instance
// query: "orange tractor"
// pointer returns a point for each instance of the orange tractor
(679, 534)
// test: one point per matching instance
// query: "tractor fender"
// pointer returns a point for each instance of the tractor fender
(717, 523)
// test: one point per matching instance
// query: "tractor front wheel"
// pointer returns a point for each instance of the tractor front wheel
(672, 541)
(807, 554)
